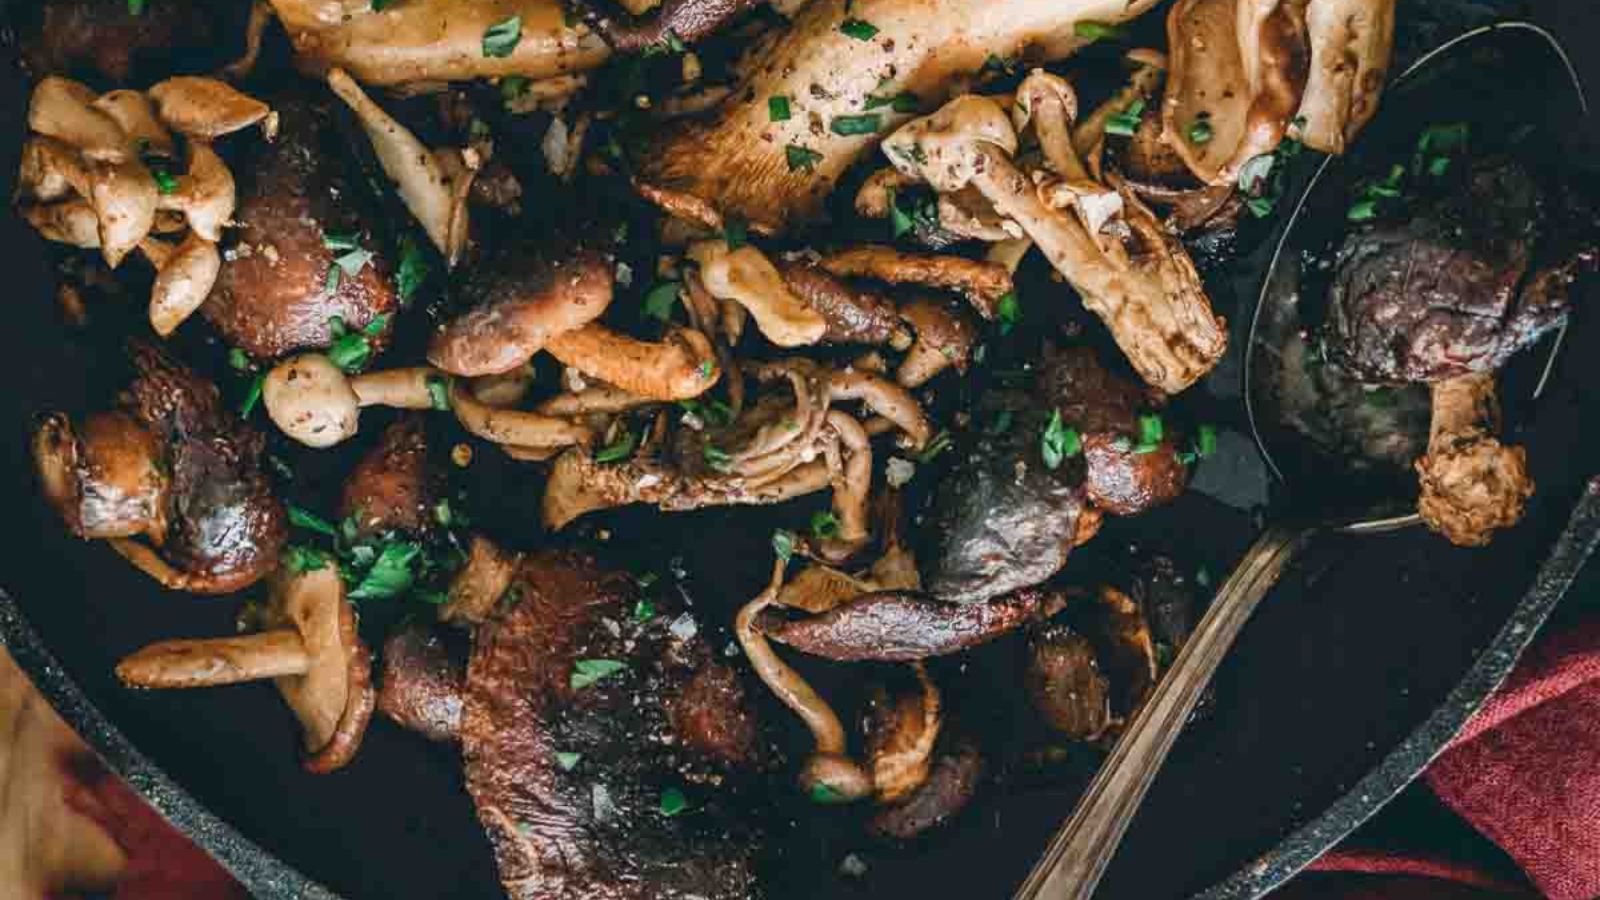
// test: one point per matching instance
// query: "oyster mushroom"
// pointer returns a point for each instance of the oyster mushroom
(206, 108)
(853, 314)
(1351, 41)
(124, 197)
(430, 190)
(136, 116)
(944, 339)
(515, 428)
(980, 281)
(745, 276)
(309, 648)
(51, 170)
(64, 109)
(739, 162)
(205, 193)
(1149, 294)
(437, 40)
(902, 729)
(1238, 72)
(313, 401)
(72, 222)
(185, 275)
(1471, 484)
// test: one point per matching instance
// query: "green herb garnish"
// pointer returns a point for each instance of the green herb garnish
(513, 87)
(644, 610)
(673, 802)
(586, 672)
(301, 559)
(1001, 423)
(866, 123)
(1058, 442)
(391, 574)
(940, 443)
(1008, 311)
(859, 29)
(252, 395)
(1200, 131)
(659, 300)
(502, 37)
(1125, 123)
(239, 359)
(783, 545)
(824, 525)
(413, 268)
(717, 458)
(778, 108)
(165, 182)
(735, 233)
(903, 102)
(438, 392)
(567, 760)
(620, 449)
(825, 794)
(800, 157)
(136, 7)
(304, 518)
(1206, 441)
(1098, 31)
(350, 350)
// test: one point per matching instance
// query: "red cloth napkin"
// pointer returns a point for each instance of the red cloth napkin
(1525, 773)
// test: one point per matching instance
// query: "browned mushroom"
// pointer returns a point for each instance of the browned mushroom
(309, 648)
(902, 728)
(422, 683)
(175, 468)
(1065, 685)
(480, 584)
(683, 364)
(902, 626)
(205, 107)
(1146, 289)
(745, 276)
(944, 339)
(773, 173)
(313, 401)
(1350, 45)
(1471, 483)
(437, 40)
(854, 315)
(980, 281)
(519, 299)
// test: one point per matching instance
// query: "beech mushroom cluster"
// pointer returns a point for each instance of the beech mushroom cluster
(129, 170)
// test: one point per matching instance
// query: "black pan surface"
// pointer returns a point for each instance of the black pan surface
(1349, 679)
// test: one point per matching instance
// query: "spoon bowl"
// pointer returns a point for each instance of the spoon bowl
(1341, 451)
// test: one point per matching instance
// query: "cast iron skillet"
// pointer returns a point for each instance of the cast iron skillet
(1362, 664)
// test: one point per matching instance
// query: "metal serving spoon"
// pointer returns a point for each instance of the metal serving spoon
(1341, 460)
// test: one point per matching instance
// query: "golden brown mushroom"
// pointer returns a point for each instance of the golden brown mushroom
(313, 401)
(745, 276)
(64, 109)
(1471, 483)
(683, 364)
(309, 648)
(205, 108)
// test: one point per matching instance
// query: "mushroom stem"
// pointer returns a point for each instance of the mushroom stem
(1471, 484)
(400, 388)
(829, 769)
(212, 662)
(514, 427)
(745, 276)
(682, 365)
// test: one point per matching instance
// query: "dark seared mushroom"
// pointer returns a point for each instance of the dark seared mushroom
(274, 295)
(854, 315)
(951, 784)
(309, 648)
(1064, 683)
(902, 725)
(980, 281)
(901, 626)
(175, 468)
(393, 488)
(945, 338)
(423, 679)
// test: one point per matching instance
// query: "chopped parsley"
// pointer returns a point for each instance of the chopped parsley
(413, 268)
(567, 760)
(1151, 432)
(617, 451)
(310, 521)
(717, 458)
(438, 391)
(502, 37)
(136, 7)
(1206, 441)
(923, 212)
(783, 545)
(778, 108)
(708, 369)
(1200, 130)
(1098, 31)
(997, 65)
(644, 610)
(1126, 122)
(866, 123)
(801, 158)
(673, 802)
(586, 672)
(735, 232)
(1059, 442)
(165, 182)
(824, 793)
(301, 559)
(824, 525)
(351, 350)
(252, 395)
(859, 29)
(940, 443)
(903, 102)
(443, 514)
(659, 300)
(1261, 177)
(1008, 311)
(239, 359)
(514, 87)
(391, 574)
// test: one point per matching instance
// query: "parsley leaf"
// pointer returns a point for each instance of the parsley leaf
(824, 524)
(1008, 311)
(783, 544)
(1096, 31)
(617, 451)
(310, 521)
(673, 802)
(801, 157)
(413, 268)
(252, 395)
(438, 391)
(391, 574)
(1126, 122)
(778, 108)
(859, 29)
(350, 350)
(1059, 442)
(586, 672)
(824, 793)
(502, 37)
(659, 300)
(301, 559)
(567, 761)
(866, 123)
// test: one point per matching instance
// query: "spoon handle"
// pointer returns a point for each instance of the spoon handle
(1077, 856)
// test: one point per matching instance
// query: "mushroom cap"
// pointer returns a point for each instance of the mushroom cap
(205, 107)
(311, 400)
(334, 698)
(937, 148)
(1471, 486)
